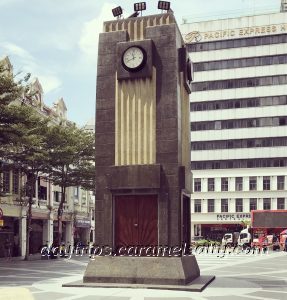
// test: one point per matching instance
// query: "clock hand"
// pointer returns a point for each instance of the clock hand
(130, 59)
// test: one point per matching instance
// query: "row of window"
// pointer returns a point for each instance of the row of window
(238, 43)
(238, 204)
(239, 83)
(238, 123)
(239, 183)
(238, 103)
(42, 190)
(239, 163)
(6, 182)
(240, 143)
(240, 63)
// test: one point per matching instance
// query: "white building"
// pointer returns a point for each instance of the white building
(238, 119)
(78, 213)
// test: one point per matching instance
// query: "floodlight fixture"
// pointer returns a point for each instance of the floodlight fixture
(163, 5)
(140, 6)
(117, 11)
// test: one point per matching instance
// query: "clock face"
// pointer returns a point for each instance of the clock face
(134, 58)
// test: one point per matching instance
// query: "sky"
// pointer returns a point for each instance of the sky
(56, 40)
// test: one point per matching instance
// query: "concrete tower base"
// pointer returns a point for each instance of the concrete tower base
(174, 273)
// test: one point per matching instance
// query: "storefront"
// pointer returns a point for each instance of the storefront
(9, 229)
(214, 225)
(37, 237)
(82, 230)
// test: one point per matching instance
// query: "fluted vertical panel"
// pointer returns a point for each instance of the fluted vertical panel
(135, 119)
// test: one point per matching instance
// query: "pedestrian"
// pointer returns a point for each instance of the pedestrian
(286, 244)
(8, 246)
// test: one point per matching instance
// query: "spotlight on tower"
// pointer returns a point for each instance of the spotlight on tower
(163, 5)
(140, 6)
(117, 12)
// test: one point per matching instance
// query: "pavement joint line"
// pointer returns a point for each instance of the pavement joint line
(38, 271)
(282, 278)
(279, 292)
(252, 274)
(256, 297)
(19, 276)
(252, 259)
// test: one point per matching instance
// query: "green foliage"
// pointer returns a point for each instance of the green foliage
(71, 155)
(34, 144)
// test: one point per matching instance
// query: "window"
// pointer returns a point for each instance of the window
(239, 143)
(6, 181)
(238, 205)
(266, 183)
(15, 186)
(210, 186)
(280, 182)
(42, 192)
(266, 203)
(252, 183)
(238, 183)
(57, 196)
(239, 123)
(210, 205)
(253, 204)
(239, 163)
(197, 205)
(280, 203)
(224, 205)
(240, 63)
(84, 197)
(239, 83)
(224, 184)
(236, 43)
(76, 192)
(197, 184)
(237, 103)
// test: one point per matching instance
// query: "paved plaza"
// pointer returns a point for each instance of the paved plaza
(238, 276)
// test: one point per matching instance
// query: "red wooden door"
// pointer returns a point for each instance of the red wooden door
(136, 219)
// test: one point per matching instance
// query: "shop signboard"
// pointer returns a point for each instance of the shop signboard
(233, 217)
(83, 223)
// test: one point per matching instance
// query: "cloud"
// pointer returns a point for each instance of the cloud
(17, 51)
(89, 39)
(29, 64)
(49, 82)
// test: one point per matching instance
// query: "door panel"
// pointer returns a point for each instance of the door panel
(147, 218)
(136, 219)
(125, 219)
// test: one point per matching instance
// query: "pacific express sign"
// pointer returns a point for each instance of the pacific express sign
(233, 217)
(196, 36)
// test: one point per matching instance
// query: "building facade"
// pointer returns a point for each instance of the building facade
(238, 124)
(78, 208)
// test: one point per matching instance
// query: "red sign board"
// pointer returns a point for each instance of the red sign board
(1, 213)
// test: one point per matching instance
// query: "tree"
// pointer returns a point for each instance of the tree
(29, 155)
(21, 135)
(71, 154)
(10, 90)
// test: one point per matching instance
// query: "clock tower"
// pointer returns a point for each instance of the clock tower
(143, 177)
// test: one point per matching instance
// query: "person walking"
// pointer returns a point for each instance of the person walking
(8, 249)
(285, 244)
